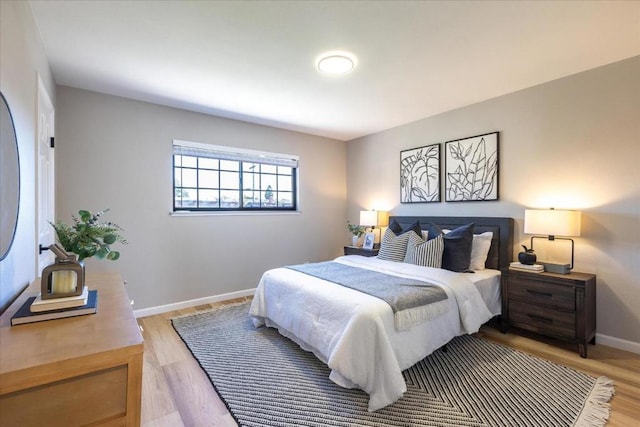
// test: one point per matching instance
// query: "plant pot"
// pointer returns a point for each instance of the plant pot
(354, 240)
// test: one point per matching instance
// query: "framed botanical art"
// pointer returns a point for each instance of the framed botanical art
(420, 174)
(471, 168)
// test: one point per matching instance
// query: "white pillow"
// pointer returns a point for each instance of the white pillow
(479, 249)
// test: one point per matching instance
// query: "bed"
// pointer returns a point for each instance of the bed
(357, 334)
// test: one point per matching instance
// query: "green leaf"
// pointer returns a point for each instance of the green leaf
(109, 239)
(84, 215)
(103, 252)
(113, 255)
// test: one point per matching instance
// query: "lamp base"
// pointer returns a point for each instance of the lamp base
(556, 268)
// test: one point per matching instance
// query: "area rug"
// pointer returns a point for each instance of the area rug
(267, 380)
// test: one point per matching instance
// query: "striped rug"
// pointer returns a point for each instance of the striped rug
(267, 380)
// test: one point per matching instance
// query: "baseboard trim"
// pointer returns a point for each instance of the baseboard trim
(618, 343)
(144, 312)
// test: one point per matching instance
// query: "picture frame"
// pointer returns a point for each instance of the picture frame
(369, 239)
(471, 168)
(420, 174)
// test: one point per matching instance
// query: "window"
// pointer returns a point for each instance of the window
(215, 178)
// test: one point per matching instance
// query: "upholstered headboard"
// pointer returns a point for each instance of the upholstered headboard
(501, 251)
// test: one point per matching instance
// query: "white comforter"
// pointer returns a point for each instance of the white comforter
(354, 334)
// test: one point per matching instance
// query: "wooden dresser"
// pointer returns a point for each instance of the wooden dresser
(75, 371)
(562, 306)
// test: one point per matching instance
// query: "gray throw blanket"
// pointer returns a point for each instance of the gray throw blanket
(412, 301)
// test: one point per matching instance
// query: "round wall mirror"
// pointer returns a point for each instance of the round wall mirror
(9, 179)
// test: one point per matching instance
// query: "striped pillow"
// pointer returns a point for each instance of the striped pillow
(427, 253)
(392, 247)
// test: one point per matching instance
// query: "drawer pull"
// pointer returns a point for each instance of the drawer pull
(542, 294)
(540, 318)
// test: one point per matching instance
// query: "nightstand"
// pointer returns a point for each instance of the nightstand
(352, 250)
(561, 306)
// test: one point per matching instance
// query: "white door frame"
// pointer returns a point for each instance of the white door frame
(45, 177)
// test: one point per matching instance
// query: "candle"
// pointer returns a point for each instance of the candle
(64, 281)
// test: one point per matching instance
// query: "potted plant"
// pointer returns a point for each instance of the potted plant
(87, 237)
(357, 231)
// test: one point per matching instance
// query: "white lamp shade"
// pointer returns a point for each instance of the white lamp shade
(552, 222)
(368, 218)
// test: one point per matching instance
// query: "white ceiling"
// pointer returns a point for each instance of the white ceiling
(255, 61)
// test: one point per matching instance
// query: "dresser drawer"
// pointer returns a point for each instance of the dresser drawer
(541, 293)
(542, 319)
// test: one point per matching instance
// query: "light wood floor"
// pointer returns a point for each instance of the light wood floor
(176, 392)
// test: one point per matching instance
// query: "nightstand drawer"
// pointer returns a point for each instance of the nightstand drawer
(536, 293)
(542, 320)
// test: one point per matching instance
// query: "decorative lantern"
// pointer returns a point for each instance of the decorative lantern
(64, 278)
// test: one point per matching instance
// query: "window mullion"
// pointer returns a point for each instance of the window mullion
(219, 186)
(260, 186)
(241, 189)
(198, 183)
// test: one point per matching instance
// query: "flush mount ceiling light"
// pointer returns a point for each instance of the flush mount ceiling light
(336, 62)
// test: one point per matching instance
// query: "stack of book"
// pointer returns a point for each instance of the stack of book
(533, 268)
(40, 304)
(36, 309)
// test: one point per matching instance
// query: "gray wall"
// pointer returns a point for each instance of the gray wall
(21, 61)
(116, 153)
(570, 143)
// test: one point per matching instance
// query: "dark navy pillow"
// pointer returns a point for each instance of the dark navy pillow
(457, 249)
(398, 230)
(433, 231)
(395, 227)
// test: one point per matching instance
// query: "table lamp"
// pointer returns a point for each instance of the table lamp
(374, 219)
(552, 223)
